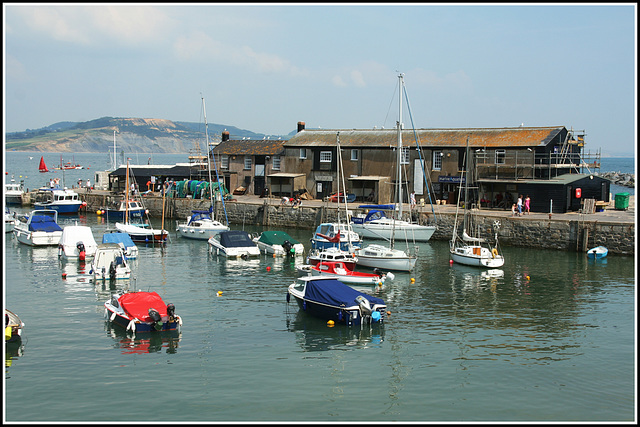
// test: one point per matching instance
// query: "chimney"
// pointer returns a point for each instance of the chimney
(225, 135)
(300, 126)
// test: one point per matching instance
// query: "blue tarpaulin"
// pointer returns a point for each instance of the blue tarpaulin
(334, 292)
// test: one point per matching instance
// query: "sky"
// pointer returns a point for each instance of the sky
(264, 67)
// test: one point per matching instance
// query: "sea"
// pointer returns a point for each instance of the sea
(550, 337)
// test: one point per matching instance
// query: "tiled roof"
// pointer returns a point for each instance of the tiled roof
(492, 137)
(250, 147)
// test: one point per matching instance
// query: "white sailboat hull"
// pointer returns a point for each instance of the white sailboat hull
(384, 258)
(384, 229)
(204, 230)
(476, 256)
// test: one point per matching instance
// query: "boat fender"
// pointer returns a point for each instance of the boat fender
(288, 297)
(494, 252)
(375, 316)
(113, 317)
(132, 325)
(390, 275)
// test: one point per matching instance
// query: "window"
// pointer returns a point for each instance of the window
(437, 160)
(303, 153)
(276, 163)
(354, 155)
(247, 162)
(224, 161)
(404, 156)
(325, 157)
(500, 156)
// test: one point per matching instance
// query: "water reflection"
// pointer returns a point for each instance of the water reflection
(13, 350)
(313, 334)
(131, 343)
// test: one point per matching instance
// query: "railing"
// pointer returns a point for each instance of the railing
(523, 165)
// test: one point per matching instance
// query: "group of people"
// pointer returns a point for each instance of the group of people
(294, 201)
(520, 207)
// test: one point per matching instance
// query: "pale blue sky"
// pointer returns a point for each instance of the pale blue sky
(265, 67)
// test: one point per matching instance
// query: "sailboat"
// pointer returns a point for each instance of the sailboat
(140, 232)
(379, 226)
(336, 234)
(201, 224)
(470, 248)
(43, 166)
(388, 257)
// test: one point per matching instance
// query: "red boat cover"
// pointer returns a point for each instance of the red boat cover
(136, 304)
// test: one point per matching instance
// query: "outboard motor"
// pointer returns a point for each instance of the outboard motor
(288, 247)
(171, 310)
(155, 317)
(112, 271)
(81, 251)
(365, 306)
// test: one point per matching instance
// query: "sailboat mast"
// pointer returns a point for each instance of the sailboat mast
(206, 132)
(466, 186)
(399, 153)
(126, 196)
(115, 161)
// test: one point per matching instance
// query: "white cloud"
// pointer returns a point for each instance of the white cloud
(358, 78)
(86, 25)
(337, 81)
(15, 70)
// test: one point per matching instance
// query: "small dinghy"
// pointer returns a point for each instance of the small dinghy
(597, 252)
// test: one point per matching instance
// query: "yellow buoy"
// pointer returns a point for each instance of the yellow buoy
(330, 323)
(219, 293)
(413, 280)
(98, 212)
(528, 277)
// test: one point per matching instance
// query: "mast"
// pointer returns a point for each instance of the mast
(206, 132)
(340, 172)
(115, 161)
(126, 195)
(399, 153)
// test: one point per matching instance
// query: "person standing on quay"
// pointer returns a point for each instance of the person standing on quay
(412, 200)
(519, 205)
(527, 205)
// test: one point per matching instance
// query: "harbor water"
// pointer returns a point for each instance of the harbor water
(549, 337)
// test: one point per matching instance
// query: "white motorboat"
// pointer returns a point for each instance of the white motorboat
(110, 263)
(10, 220)
(201, 226)
(40, 228)
(13, 192)
(385, 258)
(233, 244)
(76, 243)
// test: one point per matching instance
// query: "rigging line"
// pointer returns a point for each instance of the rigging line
(210, 155)
(424, 174)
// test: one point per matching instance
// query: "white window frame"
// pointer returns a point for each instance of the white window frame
(437, 160)
(277, 160)
(247, 162)
(224, 161)
(354, 155)
(500, 157)
(303, 153)
(326, 156)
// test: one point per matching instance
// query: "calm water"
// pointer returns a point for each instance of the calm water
(550, 337)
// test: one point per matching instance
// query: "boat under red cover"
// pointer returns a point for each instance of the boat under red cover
(142, 312)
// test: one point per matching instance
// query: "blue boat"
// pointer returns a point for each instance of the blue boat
(597, 252)
(330, 299)
(118, 210)
(61, 200)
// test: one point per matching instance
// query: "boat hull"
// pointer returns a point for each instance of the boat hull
(393, 262)
(202, 232)
(476, 256)
(143, 235)
(399, 231)
(13, 199)
(124, 321)
(65, 208)
(597, 252)
(37, 238)
(118, 215)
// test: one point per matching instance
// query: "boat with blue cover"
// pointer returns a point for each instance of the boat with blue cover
(124, 240)
(330, 299)
(233, 243)
(40, 228)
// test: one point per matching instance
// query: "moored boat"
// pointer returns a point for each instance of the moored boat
(597, 252)
(124, 240)
(62, 200)
(119, 209)
(40, 228)
(110, 263)
(385, 258)
(338, 270)
(10, 220)
(141, 312)
(233, 243)
(332, 254)
(201, 226)
(279, 243)
(77, 243)
(13, 192)
(330, 299)
(12, 327)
